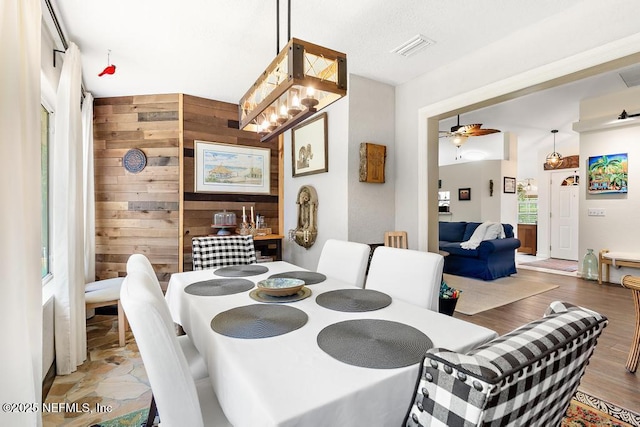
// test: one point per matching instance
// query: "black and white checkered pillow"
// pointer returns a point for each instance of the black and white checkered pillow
(526, 377)
(222, 251)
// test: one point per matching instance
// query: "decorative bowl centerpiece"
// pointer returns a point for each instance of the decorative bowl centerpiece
(280, 286)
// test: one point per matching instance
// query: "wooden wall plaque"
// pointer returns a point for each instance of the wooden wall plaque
(372, 158)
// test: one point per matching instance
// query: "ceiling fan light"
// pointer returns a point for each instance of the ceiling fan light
(458, 140)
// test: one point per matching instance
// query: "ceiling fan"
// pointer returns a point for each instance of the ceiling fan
(460, 133)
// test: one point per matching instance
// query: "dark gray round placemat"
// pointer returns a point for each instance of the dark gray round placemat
(374, 343)
(258, 295)
(218, 287)
(241, 270)
(309, 277)
(258, 321)
(354, 300)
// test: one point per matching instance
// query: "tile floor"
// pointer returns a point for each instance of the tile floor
(112, 377)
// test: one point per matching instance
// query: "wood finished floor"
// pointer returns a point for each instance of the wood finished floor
(606, 376)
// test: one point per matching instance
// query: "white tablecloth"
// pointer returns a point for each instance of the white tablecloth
(288, 380)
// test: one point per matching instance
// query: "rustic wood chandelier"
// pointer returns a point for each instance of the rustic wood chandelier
(303, 79)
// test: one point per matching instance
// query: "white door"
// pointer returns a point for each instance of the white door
(564, 214)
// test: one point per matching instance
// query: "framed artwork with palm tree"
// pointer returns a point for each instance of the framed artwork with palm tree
(608, 174)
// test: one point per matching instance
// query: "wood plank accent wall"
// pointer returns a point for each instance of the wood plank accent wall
(137, 213)
(156, 212)
(215, 121)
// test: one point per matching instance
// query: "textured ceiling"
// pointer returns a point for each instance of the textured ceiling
(217, 48)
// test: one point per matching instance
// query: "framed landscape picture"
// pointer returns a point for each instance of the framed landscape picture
(608, 173)
(310, 146)
(227, 168)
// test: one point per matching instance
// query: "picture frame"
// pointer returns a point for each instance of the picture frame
(509, 185)
(228, 168)
(464, 193)
(608, 174)
(310, 147)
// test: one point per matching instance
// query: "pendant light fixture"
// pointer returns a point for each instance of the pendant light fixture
(554, 159)
(302, 79)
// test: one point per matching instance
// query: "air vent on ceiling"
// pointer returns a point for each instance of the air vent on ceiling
(413, 45)
(631, 76)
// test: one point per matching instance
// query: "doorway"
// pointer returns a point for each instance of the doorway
(564, 192)
(561, 72)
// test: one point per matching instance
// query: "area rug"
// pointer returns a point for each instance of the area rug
(478, 296)
(589, 411)
(135, 418)
(553, 264)
(584, 411)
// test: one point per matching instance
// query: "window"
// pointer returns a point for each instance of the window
(528, 210)
(44, 188)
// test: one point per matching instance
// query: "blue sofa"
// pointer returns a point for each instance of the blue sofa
(489, 261)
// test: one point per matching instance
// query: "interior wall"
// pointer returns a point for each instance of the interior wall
(529, 57)
(615, 230)
(371, 207)
(137, 212)
(331, 187)
(482, 206)
(455, 177)
(509, 168)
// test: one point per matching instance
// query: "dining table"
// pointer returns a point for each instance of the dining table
(313, 369)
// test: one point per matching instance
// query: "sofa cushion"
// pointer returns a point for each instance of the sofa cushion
(452, 231)
(508, 230)
(470, 227)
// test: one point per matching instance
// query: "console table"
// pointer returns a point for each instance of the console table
(269, 245)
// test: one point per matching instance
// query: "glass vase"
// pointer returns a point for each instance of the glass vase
(590, 266)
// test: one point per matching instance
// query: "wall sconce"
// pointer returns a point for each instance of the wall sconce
(304, 78)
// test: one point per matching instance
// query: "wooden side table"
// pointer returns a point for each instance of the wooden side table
(633, 283)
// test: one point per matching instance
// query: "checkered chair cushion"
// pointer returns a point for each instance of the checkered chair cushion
(526, 377)
(221, 251)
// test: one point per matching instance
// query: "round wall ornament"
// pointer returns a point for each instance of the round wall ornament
(134, 160)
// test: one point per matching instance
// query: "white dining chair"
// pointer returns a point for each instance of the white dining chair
(345, 261)
(180, 400)
(197, 365)
(409, 275)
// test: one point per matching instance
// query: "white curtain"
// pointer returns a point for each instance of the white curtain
(20, 264)
(89, 194)
(68, 219)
